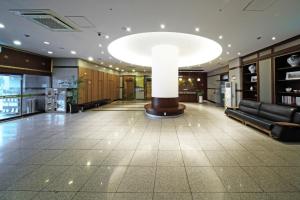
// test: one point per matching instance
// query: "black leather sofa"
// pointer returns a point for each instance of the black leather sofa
(280, 122)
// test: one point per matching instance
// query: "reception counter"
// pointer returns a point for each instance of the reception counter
(188, 96)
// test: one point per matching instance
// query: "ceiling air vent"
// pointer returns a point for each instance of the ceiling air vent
(46, 18)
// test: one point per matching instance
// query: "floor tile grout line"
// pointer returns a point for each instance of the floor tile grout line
(185, 170)
(153, 192)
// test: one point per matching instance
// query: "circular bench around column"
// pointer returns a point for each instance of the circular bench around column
(164, 107)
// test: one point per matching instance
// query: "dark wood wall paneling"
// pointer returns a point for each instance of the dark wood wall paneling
(20, 62)
(202, 85)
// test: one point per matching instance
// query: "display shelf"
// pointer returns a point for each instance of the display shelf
(250, 88)
(281, 83)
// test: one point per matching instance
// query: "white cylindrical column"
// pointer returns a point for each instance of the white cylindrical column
(165, 71)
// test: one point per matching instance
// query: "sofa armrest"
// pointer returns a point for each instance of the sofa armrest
(287, 124)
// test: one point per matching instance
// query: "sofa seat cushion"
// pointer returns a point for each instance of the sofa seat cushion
(276, 113)
(256, 120)
(250, 107)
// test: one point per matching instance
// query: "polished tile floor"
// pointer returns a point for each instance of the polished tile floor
(100, 155)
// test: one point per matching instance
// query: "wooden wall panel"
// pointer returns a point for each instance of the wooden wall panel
(105, 86)
(89, 85)
(101, 85)
(95, 86)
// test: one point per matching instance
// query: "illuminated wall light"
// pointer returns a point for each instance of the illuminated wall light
(189, 79)
(198, 79)
(180, 79)
(117, 68)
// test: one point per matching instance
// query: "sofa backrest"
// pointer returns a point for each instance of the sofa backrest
(250, 107)
(276, 113)
(296, 118)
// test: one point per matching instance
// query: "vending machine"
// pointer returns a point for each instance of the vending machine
(230, 95)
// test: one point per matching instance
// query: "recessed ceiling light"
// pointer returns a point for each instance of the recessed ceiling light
(162, 26)
(46, 43)
(239, 53)
(102, 52)
(2, 25)
(90, 58)
(128, 29)
(273, 38)
(99, 45)
(117, 68)
(197, 29)
(229, 45)
(220, 37)
(110, 66)
(73, 52)
(227, 52)
(50, 52)
(17, 42)
(106, 36)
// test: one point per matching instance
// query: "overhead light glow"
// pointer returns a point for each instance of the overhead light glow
(128, 29)
(110, 66)
(50, 52)
(73, 52)
(46, 43)
(117, 68)
(197, 29)
(273, 38)
(133, 70)
(239, 53)
(162, 26)
(100, 45)
(220, 37)
(136, 49)
(229, 45)
(17, 42)
(122, 70)
(2, 25)
(227, 52)
(90, 58)
(102, 63)
(106, 36)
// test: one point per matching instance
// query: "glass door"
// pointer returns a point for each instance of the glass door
(10, 96)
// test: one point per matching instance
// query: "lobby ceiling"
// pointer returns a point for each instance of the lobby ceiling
(239, 22)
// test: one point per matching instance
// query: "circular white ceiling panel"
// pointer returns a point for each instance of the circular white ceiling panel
(137, 48)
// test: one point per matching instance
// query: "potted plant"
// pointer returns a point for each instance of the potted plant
(200, 94)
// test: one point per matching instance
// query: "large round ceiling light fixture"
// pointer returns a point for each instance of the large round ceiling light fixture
(137, 48)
